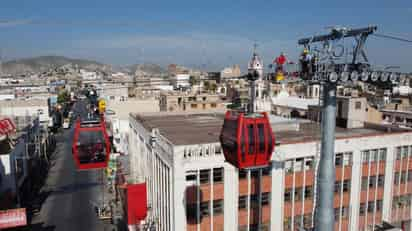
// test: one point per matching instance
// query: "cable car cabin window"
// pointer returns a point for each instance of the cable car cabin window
(251, 136)
(261, 134)
(230, 130)
(243, 146)
(270, 145)
(91, 147)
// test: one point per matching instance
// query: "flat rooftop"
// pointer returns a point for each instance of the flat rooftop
(198, 128)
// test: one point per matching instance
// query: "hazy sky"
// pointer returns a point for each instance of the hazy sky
(211, 33)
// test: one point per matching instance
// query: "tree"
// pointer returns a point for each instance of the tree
(193, 80)
(63, 97)
(213, 87)
(206, 85)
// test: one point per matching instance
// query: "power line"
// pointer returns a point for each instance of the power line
(393, 38)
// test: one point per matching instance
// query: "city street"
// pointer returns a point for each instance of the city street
(72, 194)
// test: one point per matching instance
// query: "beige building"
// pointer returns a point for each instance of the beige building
(230, 72)
(351, 112)
(182, 101)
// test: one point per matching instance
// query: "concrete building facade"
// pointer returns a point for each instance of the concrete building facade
(190, 102)
(191, 187)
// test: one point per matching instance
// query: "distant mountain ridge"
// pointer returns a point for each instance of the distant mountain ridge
(144, 69)
(42, 64)
(45, 63)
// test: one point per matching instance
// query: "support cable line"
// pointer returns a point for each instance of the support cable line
(392, 37)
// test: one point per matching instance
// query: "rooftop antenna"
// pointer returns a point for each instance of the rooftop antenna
(255, 45)
(1, 62)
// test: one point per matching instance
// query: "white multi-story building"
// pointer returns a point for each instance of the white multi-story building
(30, 107)
(191, 187)
(180, 80)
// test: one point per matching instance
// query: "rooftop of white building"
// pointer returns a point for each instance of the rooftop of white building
(198, 128)
(24, 103)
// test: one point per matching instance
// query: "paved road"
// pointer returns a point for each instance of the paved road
(69, 207)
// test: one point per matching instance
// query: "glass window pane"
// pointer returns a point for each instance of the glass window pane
(251, 136)
(218, 175)
(204, 176)
(261, 134)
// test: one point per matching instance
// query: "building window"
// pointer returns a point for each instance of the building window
(217, 207)
(396, 178)
(346, 186)
(289, 166)
(218, 175)
(338, 186)
(364, 184)
(308, 192)
(409, 175)
(213, 105)
(191, 177)
(403, 177)
(339, 159)
(372, 181)
(254, 201)
(337, 213)
(347, 158)
(266, 171)
(298, 194)
(204, 106)
(371, 206)
(307, 221)
(379, 205)
(193, 105)
(382, 154)
(242, 174)
(204, 176)
(288, 195)
(362, 208)
(381, 180)
(358, 105)
(297, 220)
(265, 198)
(242, 202)
(398, 153)
(374, 155)
(298, 165)
(365, 156)
(345, 212)
(218, 150)
(205, 209)
(287, 223)
(405, 151)
(309, 162)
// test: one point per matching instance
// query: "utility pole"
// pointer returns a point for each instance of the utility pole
(326, 171)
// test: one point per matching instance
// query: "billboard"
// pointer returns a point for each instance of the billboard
(13, 218)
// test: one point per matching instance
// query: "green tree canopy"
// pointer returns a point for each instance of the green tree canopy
(63, 97)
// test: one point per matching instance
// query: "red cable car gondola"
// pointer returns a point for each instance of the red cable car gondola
(247, 140)
(91, 145)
